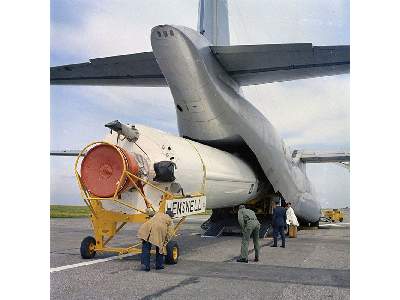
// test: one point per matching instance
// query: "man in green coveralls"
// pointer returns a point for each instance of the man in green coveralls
(250, 227)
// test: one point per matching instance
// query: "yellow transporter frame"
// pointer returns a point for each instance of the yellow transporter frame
(106, 224)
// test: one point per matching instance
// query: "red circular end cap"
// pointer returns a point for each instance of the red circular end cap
(102, 167)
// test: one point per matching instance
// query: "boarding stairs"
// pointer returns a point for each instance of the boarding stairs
(216, 229)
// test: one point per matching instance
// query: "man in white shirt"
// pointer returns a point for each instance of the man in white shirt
(291, 218)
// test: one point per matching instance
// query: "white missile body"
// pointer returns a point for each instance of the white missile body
(228, 180)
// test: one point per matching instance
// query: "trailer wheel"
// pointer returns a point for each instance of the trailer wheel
(172, 253)
(87, 247)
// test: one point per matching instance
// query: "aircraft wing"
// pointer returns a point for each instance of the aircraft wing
(258, 64)
(65, 152)
(322, 156)
(140, 69)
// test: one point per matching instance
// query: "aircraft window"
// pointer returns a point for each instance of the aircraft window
(179, 107)
(171, 33)
(165, 33)
(159, 34)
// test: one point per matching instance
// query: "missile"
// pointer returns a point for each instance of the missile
(171, 163)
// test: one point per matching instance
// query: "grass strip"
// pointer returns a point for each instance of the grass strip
(69, 211)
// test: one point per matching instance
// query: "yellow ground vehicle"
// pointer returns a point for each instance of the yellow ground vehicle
(333, 215)
(107, 223)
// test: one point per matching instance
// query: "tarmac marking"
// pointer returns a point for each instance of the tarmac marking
(92, 262)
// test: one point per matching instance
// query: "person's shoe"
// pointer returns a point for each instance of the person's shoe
(256, 259)
(282, 246)
(274, 246)
(160, 268)
(242, 260)
(146, 269)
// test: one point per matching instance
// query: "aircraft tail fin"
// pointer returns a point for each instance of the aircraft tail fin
(213, 21)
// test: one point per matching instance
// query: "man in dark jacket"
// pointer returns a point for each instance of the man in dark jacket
(278, 224)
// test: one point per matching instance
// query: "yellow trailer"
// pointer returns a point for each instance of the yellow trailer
(106, 224)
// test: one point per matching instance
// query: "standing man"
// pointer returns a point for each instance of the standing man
(278, 224)
(156, 231)
(291, 221)
(291, 218)
(250, 227)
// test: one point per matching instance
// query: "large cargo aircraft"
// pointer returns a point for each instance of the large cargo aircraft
(226, 146)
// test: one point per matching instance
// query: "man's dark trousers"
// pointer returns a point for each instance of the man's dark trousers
(145, 257)
(278, 223)
(279, 230)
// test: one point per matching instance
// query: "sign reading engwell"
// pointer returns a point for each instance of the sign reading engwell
(187, 206)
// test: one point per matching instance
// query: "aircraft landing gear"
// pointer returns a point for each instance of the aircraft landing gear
(172, 253)
(88, 246)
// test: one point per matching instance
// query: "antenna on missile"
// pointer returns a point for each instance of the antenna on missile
(128, 132)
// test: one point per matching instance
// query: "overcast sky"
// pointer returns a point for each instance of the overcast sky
(309, 114)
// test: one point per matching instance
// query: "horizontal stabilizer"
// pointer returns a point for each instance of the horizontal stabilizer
(258, 64)
(140, 69)
(247, 64)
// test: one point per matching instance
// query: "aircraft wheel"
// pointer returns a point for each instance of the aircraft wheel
(172, 253)
(87, 247)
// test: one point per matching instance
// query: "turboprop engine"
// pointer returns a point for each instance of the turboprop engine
(171, 163)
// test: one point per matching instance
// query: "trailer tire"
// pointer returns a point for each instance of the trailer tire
(87, 247)
(172, 253)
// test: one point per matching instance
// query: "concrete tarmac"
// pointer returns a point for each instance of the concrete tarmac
(315, 265)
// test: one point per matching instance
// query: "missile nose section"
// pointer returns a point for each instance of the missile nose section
(102, 169)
